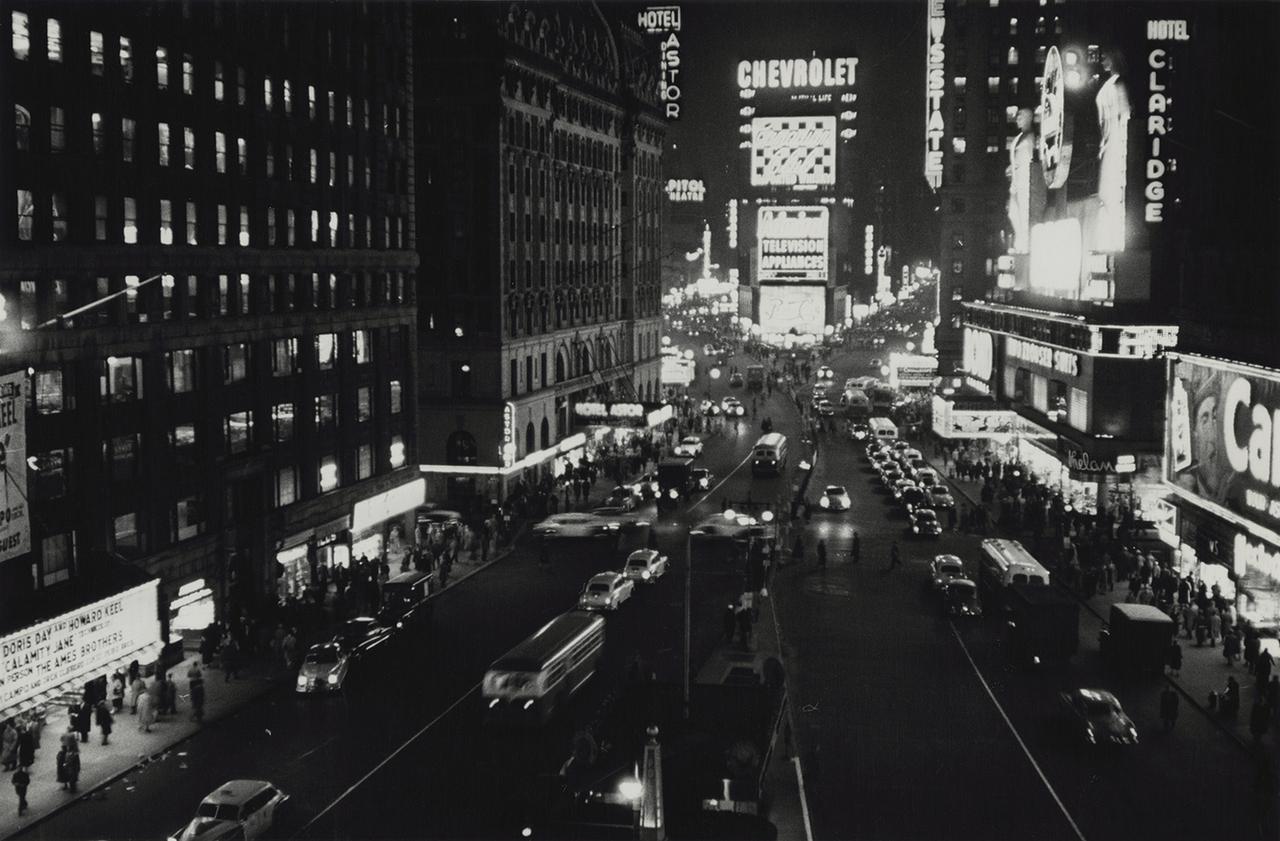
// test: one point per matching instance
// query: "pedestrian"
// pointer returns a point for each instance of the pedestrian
(1259, 719)
(71, 764)
(171, 694)
(1173, 658)
(855, 551)
(1231, 646)
(160, 693)
(729, 622)
(195, 687)
(1215, 626)
(146, 711)
(822, 555)
(102, 714)
(230, 659)
(84, 720)
(895, 557)
(60, 763)
(26, 745)
(21, 779)
(1273, 693)
(9, 746)
(1262, 671)
(117, 692)
(1169, 707)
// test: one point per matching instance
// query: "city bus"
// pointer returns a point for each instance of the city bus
(1005, 562)
(769, 456)
(530, 681)
(755, 377)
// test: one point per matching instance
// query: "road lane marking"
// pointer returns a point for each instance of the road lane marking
(804, 801)
(375, 769)
(722, 481)
(1014, 731)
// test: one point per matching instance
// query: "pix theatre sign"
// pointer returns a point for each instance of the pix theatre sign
(935, 84)
(793, 243)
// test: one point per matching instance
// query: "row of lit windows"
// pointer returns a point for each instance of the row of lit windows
(272, 90)
(121, 300)
(117, 220)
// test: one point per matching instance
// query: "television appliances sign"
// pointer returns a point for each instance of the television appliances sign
(793, 151)
(793, 243)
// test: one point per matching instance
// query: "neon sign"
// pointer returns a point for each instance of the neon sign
(797, 73)
(793, 151)
(1055, 128)
(508, 451)
(935, 82)
(686, 190)
(1159, 122)
(656, 20)
(793, 243)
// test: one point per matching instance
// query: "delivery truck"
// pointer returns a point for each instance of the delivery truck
(1044, 623)
(1137, 637)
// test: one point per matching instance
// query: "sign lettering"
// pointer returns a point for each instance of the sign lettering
(935, 84)
(794, 243)
(1062, 361)
(793, 151)
(797, 73)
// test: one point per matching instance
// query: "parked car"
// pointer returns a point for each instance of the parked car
(1098, 717)
(361, 634)
(606, 591)
(735, 380)
(690, 445)
(939, 498)
(944, 569)
(646, 565)
(835, 498)
(960, 598)
(239, 809)
(924, 523)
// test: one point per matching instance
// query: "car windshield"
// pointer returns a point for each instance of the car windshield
(322, 655)
(961, 592)
(1098, 708)
(218, 811)
(597, 588)
(835, 490)
(950, 569)
(926, 514)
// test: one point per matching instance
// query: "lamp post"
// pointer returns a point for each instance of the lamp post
(688, 608)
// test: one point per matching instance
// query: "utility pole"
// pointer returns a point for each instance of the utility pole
(688, 608)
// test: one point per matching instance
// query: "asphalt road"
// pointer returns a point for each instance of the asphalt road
(405, 751)
(911, 727)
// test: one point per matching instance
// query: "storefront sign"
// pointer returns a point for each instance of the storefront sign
(669, 71)
(1222, 442)
(1062, 361)
(869, 250)
(376, 509)
(682, 190)
(72, 646)
(659, 416)
(1253, 558)
(15, 526)
(935, 85)
(798, 73)
(1082, 462)
(912, 371)
(508, 451)
(1160, 121)
(793, 151)
(793, 243)
(608, 411)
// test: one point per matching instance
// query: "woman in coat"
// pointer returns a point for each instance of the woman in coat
(137, 687)
(71, 765)
(26, 746)
(9, 747)
(146, 710)
(103, 714)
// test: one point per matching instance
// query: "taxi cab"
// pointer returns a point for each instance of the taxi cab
(645, 565)
(236, 809)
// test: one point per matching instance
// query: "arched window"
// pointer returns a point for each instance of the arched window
(21, 128)
(530, 444)
(546, 433)
(460, 448)
(560, 372)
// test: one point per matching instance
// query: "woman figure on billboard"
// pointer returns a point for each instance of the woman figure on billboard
(1113, 126)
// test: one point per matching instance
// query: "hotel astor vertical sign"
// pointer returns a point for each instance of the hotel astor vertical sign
(665, 21)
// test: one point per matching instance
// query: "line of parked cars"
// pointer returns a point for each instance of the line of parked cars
(913, 484)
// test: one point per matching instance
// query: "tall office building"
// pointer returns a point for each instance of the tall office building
(539, 189)
(206, 300)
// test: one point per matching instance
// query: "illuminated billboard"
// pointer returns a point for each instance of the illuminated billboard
(793, 243)
(793, 151)
(681, 190)
(784, 309)
(789, 73)
(935, 85)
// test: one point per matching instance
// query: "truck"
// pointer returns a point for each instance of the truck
(755, 377)
(1137, 637)
(857, 404)
(1044, 623)
(675, 475)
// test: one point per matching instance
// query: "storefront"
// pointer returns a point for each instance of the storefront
(300, 556)
(58, 657)
(382, 526)
(191, 611)
(616, 432)
(1222, 468)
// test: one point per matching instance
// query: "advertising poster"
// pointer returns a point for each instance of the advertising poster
(787, 308)
(793, 243)
(15, 524)
(793, 151)
(1221, 438)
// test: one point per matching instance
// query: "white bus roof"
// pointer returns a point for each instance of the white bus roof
(1006, 553)
(881, 423)
(551, 639)
(771, 439)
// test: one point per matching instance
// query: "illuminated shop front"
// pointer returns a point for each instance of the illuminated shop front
(620, 425)
(58, 656)
(191, 611)
(1222, 466)
(382, 526)
(300, 555)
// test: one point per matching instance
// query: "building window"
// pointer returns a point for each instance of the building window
(57, 552)
(122, 457)
(396, 396)
(311, 101)
(1078, 409)
(22, 128)
(220, 151)
(51, 397)
(162, 68)
(182, 444)
(313, 162)
(125, 533)
(282, 422)
(191, 223)
(235, 362)
(192, 296)
(126, 59)
(238, 428)
(166, 222)
(242, 156)
(1012, 57)
(242, 95)
(162, 143)
(244, 226)
(219, 90)
(189, 148)
(58, 214)
(57, 129)
(286, 92)
(326, 351)
(328, 473)
(397, 451)
(993, 84)
(55, 40)
(181, 366)
(26, 214)
(284, 357)
(222, 224)
(266, 94)
(97, 57)
(51, 473)
(21, 35)
(364, 461)
(959, 145)
(364, 404)
(362, 346)
(326, 412)
(286, 486)
(188, 75)
(188, 519)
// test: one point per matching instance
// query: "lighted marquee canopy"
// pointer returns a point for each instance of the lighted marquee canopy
(793, 151)
(793, 243)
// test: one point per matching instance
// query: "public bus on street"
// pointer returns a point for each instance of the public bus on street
(755, 377)
(769, 456)
(529, 682)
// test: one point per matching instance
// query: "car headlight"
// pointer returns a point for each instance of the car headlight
(915, 529)
(645, 575)
(333, 679)
(673, 493)
(302, 682)
(824, 502)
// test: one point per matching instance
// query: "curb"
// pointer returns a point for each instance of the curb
(1214, 718)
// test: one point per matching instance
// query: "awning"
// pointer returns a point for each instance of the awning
(75, 685)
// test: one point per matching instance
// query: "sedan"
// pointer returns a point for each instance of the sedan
(960, 598)
(605, 591)
(690, 445)
(573, 524)
(710, 408)
(875, 447)
(939, 498)
(924, 523)
(859, 431)
(240, 809)
(324, 668)
(911, 498)
(721, 527)
(732, 407)
(944, 569)
(735, 380)
(360, 635)
(927, 477)
(890, 474)
(825, 373)
(835, 498)
(701, 478)
(825, 409)
(899, 486)
(876, 362)
(647, 484)
(1097, 715)
(645, 565)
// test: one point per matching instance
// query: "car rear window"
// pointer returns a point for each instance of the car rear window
(598, 588)
(1019, 578)
(218, 811)
(1036, 579)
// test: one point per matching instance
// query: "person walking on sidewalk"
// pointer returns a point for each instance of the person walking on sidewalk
(1173, 658)
(1169, 708)
(9, 747)
(21, 779)
(1231, 646)
(1262, 671)
(895, 557)
(195, 687)
(146, 710)
(104, 719)
(26, 745)
(230, 658)
(83, 719)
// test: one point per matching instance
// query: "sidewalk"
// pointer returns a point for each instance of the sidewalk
(129, 747)
(1204, 669)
